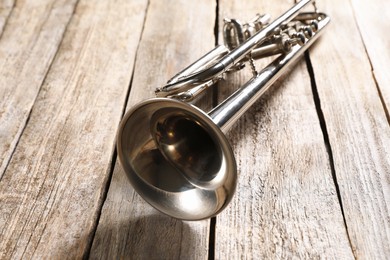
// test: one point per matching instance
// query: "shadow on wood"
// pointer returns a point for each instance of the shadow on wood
(149, 237)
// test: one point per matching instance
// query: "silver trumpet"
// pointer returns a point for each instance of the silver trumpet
(175, 155)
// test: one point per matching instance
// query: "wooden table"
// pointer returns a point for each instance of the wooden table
(313, 154)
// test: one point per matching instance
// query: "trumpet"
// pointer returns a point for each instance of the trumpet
(177, 156)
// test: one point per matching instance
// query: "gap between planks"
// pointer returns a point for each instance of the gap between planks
(32, 236)
(213, 220)
(357, 123)
(324, 129)
(136, 229)
(12, 146)
(272, 222)
(115, 154)
(5, 12)
(380, 94)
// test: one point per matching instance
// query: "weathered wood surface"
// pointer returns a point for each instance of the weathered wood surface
(286, 205)
(6, 7)
(369, 18)
(358, 130)
(313, 154)
(27, 47)
(129, 227)
(51, 191)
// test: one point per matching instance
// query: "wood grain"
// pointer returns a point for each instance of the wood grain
(372, 20)
(6, 7)
(51, 192)
(65, 70)
(176, 33)
(358, 130)
(286, 203)
(27, 47)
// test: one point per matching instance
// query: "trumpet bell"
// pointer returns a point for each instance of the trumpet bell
(177, 158)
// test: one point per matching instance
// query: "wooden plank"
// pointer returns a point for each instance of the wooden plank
(27, 48)
(6, 7)
(286, 203)
(358, 130)
(372, 19)
(51, 193)
(129, 228)
(176, 33)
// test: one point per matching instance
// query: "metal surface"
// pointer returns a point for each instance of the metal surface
(164, 186)
(234, 56)
(227, 113)
(175, 155)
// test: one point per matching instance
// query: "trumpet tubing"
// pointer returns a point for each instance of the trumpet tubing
(177, 156)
